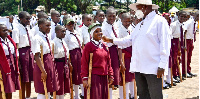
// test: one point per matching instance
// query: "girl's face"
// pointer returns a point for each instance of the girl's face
(45, 28)
(70, 26)
(100, 17)
(97, 35)
(111, 16)
(61, 33)
(3, 31)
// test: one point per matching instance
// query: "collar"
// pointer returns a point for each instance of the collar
(22, 26)
(108, 25)
(84, 26)
(96, 43)
(41, 34)
(52, 23)
(59, 40)
(123, 28)
(6, 40)
(150, 15)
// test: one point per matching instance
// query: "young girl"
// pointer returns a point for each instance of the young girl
(44, 72)
(74, 43)
(101, 65)
(8, 63)
(61, 55)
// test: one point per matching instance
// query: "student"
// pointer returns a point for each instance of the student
(100, 16)
(129, 77)
(86, 36)
(102, 73)
(23, 38)
(35, 29)
(176, 46)
(47, 71)
(74, 42)
(9, 25)
(110, 31)
(61, 55)
(8, 63)
(55, 19)
(190, 39)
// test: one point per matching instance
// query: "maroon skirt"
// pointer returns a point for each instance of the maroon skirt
(75, 56)
(63, 76)
(26, 59)
(52, 82)
(11, 82)
(115, 64)
(99, 87)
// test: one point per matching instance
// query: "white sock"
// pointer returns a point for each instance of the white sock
(164, 84)
(41, 96)
(61, 97)
(131, 87)
(110, 92)
(76, 90)
(168, 76)
(82, 89)
(127, 90)
(57, 96)
(121, 92)
(49, 95)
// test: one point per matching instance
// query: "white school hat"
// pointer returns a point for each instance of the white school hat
(143, 2)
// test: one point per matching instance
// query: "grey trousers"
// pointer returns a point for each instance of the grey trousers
(149, 86)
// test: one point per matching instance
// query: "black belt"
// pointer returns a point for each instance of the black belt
(59, 60)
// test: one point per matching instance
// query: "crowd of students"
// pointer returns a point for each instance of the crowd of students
(49, 48)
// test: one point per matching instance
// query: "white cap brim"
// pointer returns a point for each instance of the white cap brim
(133, 6)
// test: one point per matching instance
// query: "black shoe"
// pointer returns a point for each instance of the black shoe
(174, 84)
(193, 75)
(170, 86)
(82, 97)
(188, 76)
(183, 78)
(132, 98)
(166, 87)
(176, 80)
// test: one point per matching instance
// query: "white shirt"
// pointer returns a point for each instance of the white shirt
(131, 27)
(20, 36)
(58, 48)
(52, 31)
(150, 45)
(35, 30)
(190, 28)
(5, 47)
(85, 34)
(39, 40)
(175, 28)
(71, 40)
(108, 32)
(123, 32)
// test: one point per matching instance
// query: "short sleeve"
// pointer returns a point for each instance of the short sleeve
(36, 44)
(15, 35)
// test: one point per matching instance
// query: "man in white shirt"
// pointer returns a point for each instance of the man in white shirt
(55, 19)
(150, 49)
(9, 25)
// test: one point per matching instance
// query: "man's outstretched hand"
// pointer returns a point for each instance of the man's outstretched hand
(105, 39)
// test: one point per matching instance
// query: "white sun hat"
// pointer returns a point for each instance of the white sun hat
(143, 2)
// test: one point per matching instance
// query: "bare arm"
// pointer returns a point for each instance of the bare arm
(40, 65)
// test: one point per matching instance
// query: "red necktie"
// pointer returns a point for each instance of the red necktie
(194, 32)
(129, 32)
(114, 32)
(28, 37)
(182, 39)
(49, 45)
(79, 43)
(10, 54)
(65, 53)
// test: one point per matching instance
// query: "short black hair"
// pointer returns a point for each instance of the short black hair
(41, 15)
(22, 14)
(85, 15)
(58, 27)
(110, 10)
(125, 15)
(11, 16)
(1, 25)
(99, 11)
(182, 12)
(42, 21)
(54, 12)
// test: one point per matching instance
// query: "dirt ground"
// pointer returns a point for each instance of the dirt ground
(188, 89)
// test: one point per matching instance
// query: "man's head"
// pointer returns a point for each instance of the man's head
(182, 16)
(100, 16)
(44, 25)
(146, 9)
(60, 31)
(3, 31)
(87, 19)
(110, 15)
(42, 15)
(24, 18)
(126, 20)
(11, 18)
(55, 16)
